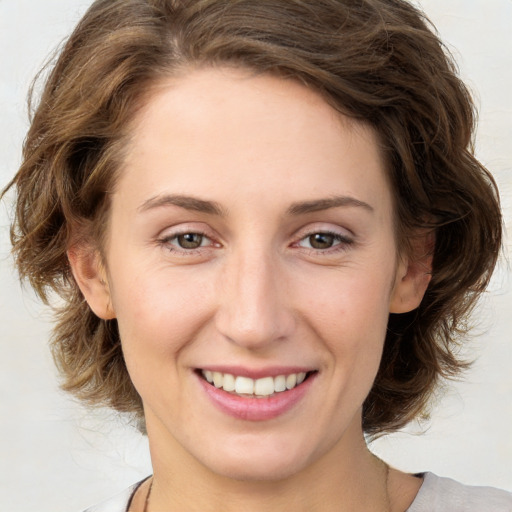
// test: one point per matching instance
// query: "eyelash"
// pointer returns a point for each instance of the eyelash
(166, 242)
(341, 242)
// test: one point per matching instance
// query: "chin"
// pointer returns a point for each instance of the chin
(248, 471)
(258, 463)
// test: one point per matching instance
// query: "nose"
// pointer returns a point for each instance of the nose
(254, 309)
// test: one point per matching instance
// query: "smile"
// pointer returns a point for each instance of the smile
(258, 388)
(251, 395)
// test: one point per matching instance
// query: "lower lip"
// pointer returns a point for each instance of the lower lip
(256, 409)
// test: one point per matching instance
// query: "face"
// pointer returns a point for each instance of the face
(251, 244)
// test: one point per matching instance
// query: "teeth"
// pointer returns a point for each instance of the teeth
(280, 383)
(291, 381)
(263, 387)
(244, 386)
(218, 379)
(229, 383)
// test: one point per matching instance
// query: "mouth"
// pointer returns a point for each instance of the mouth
(264, 387)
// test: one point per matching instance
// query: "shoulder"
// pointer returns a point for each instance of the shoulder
(439, 494)
(118, 503)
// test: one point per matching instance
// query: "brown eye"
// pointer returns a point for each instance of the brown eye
(321, 240)
(190, 240)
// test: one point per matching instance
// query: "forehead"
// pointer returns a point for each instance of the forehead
(216, 128)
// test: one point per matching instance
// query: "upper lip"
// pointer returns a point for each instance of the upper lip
(257, 373)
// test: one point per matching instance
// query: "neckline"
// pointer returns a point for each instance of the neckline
(423, 476)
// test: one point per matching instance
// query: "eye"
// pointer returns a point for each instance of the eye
(324, 240)
(320, 240)
(190, 240)
(186, 242)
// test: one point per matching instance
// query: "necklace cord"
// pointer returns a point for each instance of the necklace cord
(146, 503)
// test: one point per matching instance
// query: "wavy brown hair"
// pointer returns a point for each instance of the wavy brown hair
(375, 60)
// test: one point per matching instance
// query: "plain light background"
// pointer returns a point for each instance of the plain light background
(56, 456)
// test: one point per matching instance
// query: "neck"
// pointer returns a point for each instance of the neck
(346, 478)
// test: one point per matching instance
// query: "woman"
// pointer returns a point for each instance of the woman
(267, 228)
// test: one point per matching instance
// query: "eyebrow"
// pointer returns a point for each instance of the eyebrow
(186, 202)
(317, 205)
(213, 208)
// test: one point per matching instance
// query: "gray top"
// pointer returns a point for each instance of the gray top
(436, 494)
(446, 495)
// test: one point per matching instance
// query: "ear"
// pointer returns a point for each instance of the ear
(413, 274)
(91, 277)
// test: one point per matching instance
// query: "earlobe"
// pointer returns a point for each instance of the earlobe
(90, 275)
(413, 275)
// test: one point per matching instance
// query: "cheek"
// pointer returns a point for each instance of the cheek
(348, 302)
(158, 317)
(158, 313)
(350, 314)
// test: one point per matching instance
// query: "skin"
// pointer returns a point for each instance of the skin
(257, 292)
